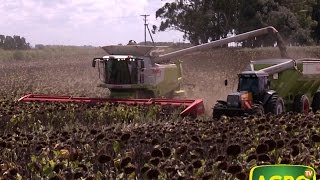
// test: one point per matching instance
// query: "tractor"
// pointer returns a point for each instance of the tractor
(274, 86)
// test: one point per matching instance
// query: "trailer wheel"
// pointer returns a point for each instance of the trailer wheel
(258, 110)
(301, 104)
(216, 114)
(276, 105)
(316, 102)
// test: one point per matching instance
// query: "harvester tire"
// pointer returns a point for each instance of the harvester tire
(301, 104)
(258, 110)
(316, 102)
(275, 105)
(216, 114)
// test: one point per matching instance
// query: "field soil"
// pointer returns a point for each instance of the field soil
(56, 140)
(68, 71)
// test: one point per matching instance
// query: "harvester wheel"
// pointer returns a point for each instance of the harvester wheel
(258, 110)
(276, 105)
(301, 104)
(316, 102)
(216, 114)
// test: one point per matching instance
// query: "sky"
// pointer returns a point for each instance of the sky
(82, 22)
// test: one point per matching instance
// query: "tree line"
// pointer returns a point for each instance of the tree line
(202, 21)
(13, 43)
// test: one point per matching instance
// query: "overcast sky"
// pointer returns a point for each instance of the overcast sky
(81, 22)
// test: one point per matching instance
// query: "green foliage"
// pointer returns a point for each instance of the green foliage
(199, 20)
(15, 42)
(18, 55)
(204, 20)
(316, 17)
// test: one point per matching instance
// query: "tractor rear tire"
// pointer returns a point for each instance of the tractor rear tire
(275, 105)
(301, 104)
(258, 110)
(316, 102)
(216, 114)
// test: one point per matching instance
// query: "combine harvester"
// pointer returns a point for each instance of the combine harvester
(137, 74)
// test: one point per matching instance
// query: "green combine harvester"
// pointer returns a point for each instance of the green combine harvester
(141, 71)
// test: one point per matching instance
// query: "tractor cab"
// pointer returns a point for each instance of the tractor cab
(255, 82)
(251, 89)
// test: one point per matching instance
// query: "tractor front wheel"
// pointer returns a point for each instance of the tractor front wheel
(258, 110)
(276, 105)
(216, 114)
(301, 104)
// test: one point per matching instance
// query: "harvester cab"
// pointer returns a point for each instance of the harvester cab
(129, 72)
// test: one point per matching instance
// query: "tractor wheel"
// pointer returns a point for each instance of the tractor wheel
(316, 102)
(276, 105)
(258, 110)
(216, 114)
(301, 104)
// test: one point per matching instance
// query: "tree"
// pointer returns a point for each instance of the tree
(316, 17)
(9, 43)
(206, 20)
(200, 20)
(2, 38)
(15, 42)
(260, 13)
(303, 11)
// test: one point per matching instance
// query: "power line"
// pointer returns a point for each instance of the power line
(145, 27)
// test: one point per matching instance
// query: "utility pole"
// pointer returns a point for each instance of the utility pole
(145, 28)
